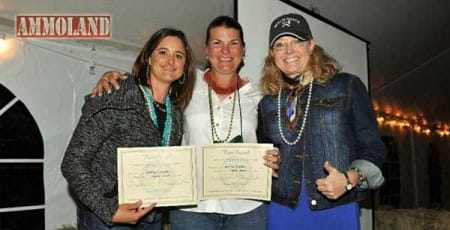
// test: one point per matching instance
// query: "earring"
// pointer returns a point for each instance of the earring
(148, 66)
(182, 79)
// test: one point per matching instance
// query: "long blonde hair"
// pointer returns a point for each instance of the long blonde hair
(321, 67)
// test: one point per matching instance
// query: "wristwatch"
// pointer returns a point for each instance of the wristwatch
(348, 184)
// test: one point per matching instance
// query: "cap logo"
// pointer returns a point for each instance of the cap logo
(286, 22)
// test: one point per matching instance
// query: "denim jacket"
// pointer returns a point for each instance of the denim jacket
(340, 128)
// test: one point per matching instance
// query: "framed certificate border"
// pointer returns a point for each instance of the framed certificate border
(165, 175)
(235, 170)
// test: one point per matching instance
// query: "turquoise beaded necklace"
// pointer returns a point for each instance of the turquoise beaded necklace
(151, 108)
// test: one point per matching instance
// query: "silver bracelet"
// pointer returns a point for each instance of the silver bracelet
(361, 178)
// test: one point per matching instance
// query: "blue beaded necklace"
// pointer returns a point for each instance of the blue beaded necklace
(151, 108)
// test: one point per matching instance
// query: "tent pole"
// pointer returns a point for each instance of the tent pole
(414, 167)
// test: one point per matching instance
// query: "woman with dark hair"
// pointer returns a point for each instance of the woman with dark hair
(142, 114)
(323, 122)
(223, 109)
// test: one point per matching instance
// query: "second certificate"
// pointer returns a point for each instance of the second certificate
(235, 171)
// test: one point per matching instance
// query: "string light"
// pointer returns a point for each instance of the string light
(3, 43)
(391, 117)
(7, 47)
(419, 124)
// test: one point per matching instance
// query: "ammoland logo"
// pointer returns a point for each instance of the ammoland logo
(63, 26)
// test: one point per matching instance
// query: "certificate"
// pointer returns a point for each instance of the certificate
(165, 175)
(235, 171)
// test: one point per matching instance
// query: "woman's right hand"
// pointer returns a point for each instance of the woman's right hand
(131, 213)
(108, 80)
(272, 159)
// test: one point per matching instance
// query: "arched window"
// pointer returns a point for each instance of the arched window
(22, 195)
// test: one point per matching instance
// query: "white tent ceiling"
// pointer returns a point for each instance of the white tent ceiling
(132, 21)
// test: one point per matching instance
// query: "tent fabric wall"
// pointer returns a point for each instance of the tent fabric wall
(414, 174)
(51, 79)
(403, 96)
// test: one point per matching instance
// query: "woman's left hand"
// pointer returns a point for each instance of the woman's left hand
(131, 213)
(332, 186)
(273, 160)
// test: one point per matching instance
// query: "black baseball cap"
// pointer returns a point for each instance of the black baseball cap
(289, 24)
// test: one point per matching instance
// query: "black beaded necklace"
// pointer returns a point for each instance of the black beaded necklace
(215, 135)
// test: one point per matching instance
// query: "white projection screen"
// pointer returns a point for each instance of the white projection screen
(255, 17)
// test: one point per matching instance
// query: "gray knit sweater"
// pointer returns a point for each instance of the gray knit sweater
(119, 119)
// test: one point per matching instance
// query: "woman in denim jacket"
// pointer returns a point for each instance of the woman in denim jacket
(324, 125)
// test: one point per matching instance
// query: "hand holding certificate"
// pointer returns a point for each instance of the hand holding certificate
(235, 171)
(165, 175)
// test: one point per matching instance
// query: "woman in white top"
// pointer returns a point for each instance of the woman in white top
(223, 109)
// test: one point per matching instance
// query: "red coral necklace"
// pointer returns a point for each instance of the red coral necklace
(222, 90)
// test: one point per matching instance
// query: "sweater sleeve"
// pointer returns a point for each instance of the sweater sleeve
(88, 137)
(374, 176)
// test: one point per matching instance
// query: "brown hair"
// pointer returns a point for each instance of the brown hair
(321, 67)
(181, 89)
(229, 23)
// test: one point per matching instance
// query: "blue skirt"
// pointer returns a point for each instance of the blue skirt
(340, 217)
